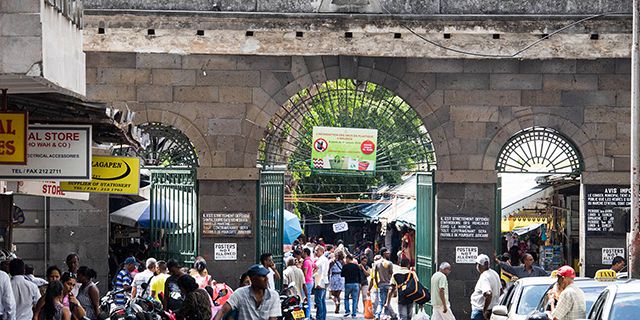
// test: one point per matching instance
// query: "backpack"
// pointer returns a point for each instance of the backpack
(412, 291)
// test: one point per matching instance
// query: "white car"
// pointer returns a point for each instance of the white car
(521, 298)
(619, 301)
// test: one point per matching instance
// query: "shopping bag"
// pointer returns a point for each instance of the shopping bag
(421, 315)
(368, 309)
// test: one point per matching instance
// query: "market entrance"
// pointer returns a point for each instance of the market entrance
(538, 199)
(361, 200)
(162, 221)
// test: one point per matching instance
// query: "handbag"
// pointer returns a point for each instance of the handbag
(368, 309)
(412, 291)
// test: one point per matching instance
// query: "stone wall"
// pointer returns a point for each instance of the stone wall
(223, 103)
(375, 6)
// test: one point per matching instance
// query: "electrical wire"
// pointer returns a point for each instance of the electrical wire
(515, 54)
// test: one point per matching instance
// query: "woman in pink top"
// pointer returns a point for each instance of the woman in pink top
(307, 269)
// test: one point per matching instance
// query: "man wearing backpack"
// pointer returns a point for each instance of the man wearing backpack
(399, 278)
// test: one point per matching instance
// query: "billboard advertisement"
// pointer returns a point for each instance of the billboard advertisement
(344, 150)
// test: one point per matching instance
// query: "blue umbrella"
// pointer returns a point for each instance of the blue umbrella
(292, 229)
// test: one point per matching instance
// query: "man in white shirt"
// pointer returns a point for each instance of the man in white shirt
(440, 294)
(144, 277)
(321, 279)
(266, 259)
(25, 292)
(486, 294)
(7, 300)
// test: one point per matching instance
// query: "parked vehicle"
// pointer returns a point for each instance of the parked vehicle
(292, 309)
(521, 298)
(619, 301)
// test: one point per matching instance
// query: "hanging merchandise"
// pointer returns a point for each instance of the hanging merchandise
(543, 232)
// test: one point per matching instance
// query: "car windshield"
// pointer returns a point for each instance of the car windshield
(591, 295)
(530, 298)
(626, 306)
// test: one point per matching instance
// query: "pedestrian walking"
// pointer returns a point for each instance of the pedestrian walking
(383, 271)
(73, 263)
(25, 292)
(374, 293)
(157, 283)
(405, 306)
(571, 302)
(197, 302)
(203, 279)
(440, 294)
(352, 277)
(143, 277)
(28, 274)
(336, 281)
(53, 309)
(321, 281)
(365, 275)
(124, 279)
(307, 269)
(255, 302)
(486, 293)
(293, 275)
(69, 283)
(173, 297)
(266, 259)
(89, 294)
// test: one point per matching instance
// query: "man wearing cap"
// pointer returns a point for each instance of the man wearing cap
(123, 280)
(571, 303)
(144, 277)
(440, 294)
(256, 301)
(486, 294)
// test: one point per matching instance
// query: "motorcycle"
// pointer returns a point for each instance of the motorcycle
(290, 304)
(109, 310)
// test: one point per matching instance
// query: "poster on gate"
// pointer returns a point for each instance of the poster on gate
(344, 150)
(466, 255)
(13, 138)
(114, 175)
(225, 251)
(609, 253)
(55, 152)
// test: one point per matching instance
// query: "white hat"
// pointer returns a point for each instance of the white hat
(151, 261)
(482, 259)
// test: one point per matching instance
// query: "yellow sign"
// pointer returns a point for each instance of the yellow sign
(115, 175)
(606, 275)
(511, 223)
(13, 138)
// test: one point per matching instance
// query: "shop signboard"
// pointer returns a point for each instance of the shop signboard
(609, 253)
(13, 138)
(48, 189)
(54, 152)
(466, 255)
(344, 150)
(115, 175)
(225, 251)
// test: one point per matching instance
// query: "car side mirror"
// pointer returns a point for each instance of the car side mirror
(500, 311)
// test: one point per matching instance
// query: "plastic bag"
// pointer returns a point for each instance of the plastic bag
(421, 315)
(368, 309)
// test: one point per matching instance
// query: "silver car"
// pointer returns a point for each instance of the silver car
(619, 301)
(521, 298)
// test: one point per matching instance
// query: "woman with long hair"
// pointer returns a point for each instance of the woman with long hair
(336, 281)
(53, 309)
(201, 275)
(88, 295)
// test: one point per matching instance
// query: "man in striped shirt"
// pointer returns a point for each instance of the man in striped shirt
(124, 279)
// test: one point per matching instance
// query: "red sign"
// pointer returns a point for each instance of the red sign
(367, 147)
(320, 145)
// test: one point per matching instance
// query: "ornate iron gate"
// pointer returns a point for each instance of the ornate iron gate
(425, 233)
(174, 214)
(270, 216)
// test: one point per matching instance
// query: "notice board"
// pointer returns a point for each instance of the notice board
(464, 227)
(227, 224)
(606, 209)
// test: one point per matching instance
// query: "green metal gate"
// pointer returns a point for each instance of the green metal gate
(425, 231)
(497, 221)
(271, 216)
(174, 214)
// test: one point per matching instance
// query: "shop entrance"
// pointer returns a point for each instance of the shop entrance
(537, 199)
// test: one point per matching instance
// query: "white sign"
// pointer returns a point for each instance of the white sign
(609, 253)
(340, 227)
(49, 189)
(466, 255)
(225, 251)
(54, 152)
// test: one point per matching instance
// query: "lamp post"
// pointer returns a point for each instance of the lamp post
(634, 245)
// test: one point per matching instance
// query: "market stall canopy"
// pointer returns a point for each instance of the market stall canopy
(524, 230)
(110, 124)
(139, 214)
(531, 199)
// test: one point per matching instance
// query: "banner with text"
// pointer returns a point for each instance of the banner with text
(55, 152)
(48, 189)
(117, 175)
(344, 150)
(13, 137)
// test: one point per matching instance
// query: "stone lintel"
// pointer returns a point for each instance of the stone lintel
(612, 177)
(466, 176)
(208, 173)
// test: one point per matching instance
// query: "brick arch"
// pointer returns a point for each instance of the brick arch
(181, 123)
(570, 130)
(307, 71)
